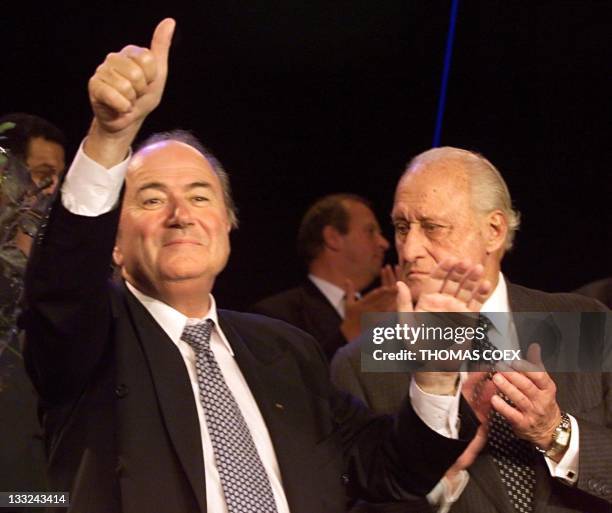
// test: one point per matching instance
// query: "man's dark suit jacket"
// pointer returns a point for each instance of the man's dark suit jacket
(307, 308)
(586, 396)
(121, 426)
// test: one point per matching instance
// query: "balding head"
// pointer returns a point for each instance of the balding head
(488, 190)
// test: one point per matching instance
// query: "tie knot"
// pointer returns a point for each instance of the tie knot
(198, 335)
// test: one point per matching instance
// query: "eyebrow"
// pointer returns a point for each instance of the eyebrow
(420, 219)
(162, 187)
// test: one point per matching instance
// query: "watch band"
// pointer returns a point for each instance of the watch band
(560, 437)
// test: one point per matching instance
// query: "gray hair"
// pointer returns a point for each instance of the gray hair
(186, 137)
(489, 191)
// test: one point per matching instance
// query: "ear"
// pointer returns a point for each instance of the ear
(496, 228)
(332, 238)
(117, 256)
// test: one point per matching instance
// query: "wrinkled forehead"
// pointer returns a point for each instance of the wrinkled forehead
(169, 161)
(432, 188)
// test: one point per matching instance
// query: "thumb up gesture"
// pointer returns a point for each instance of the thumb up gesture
(129, 84)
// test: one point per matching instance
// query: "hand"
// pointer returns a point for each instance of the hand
(128, 85)
(125, 88)
(535, 413)
(478, 390)
(381, 299)
(453, 286)
(467, 457)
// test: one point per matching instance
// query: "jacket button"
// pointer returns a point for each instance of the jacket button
(345, 479)
(121, 390)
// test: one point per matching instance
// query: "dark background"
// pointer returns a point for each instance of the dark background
(301, 99)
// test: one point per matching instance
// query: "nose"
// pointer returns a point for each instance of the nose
(412, 246)
(180, 215)
(382, 242)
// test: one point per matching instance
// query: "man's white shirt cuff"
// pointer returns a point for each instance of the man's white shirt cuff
(567, 468)
(439, 412)
(89, 188)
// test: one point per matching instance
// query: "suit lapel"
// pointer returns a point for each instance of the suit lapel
(174, 393)
(317, 308)
(270, 375)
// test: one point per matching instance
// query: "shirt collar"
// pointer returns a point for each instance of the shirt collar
(498, 302)
(172, 321)
(333, 293)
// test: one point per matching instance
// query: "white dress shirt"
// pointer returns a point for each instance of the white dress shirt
(333, 293)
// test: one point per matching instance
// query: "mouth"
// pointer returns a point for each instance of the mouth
(416, 274)
(177, 242)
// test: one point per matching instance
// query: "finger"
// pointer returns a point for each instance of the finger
(506, 384)
(440, 303)
(438, 275)
(511, 414)
(349, 290)
(470, 283)
(404, 298)
(113, 79)
(454, 278)
(160, 44)
(386, 276)
(399, 273)
(534, 355)
(468, 456)
(145, 60)
(121, 65)
(534, 369)
(107, 96)
(481, 293)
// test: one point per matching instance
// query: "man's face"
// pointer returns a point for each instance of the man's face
(433, 220)
(364, 246)
(174, 227)
(45, 159)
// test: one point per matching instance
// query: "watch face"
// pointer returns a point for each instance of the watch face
(563, 438)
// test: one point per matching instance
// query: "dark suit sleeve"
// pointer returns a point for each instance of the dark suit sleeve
(68, 313)
(344, 376)
(595, 449)
(394, 458)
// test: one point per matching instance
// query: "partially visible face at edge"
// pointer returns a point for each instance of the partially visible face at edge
(364, 245)
(174, 225)
(45, 159)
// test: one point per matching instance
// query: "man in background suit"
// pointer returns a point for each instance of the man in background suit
(341, 243)
(599, 289)
(154, 400)
(454, 202)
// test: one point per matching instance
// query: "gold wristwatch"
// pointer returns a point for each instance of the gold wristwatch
(560, 437)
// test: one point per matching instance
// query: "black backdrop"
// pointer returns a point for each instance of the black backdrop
(300, 99)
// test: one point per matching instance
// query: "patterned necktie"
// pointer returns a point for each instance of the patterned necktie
(513, 456)
(245, 484)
